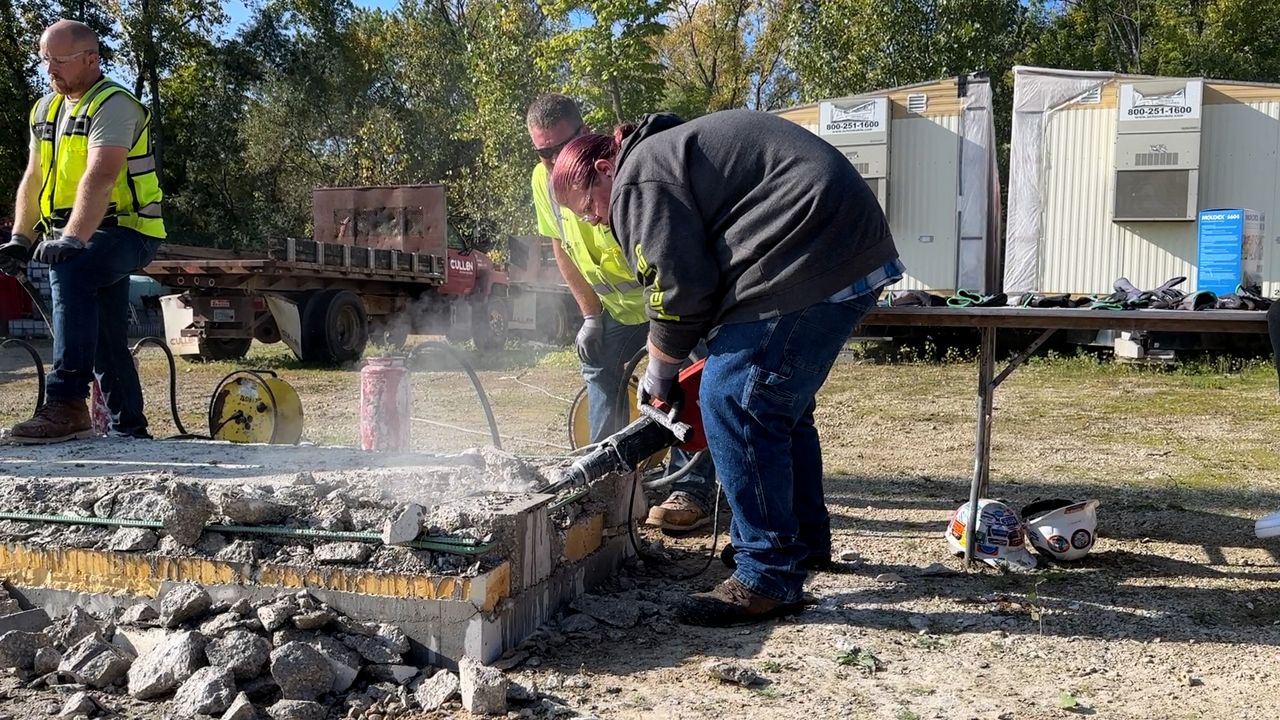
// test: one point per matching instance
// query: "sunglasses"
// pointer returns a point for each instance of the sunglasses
(550, 153)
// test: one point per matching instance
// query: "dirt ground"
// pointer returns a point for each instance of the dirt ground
(1174, 615)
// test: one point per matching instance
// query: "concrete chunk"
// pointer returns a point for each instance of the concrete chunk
(437, 690)
(301, 671)
(345, 662)
(182, 603)
(484, 689)
(275, 615)
(297, 710)
(94, 663)
(398, 674)
(241, 709)
(405, 526)
(139, 613)
(167, 666)
(250, 506)
(314, 620)
(240, 651)
(209, 691)
(33, 620)
(18, 648)
(46, 661)
(373, 649)
(74, 626)
(343, 553)
(79, 704)
(128, 539)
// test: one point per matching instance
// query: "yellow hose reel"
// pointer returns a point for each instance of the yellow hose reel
(255, 406)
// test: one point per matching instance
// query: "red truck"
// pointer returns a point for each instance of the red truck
(383, 263)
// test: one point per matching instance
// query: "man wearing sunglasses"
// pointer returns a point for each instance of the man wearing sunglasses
(615, 325)
(91, 192)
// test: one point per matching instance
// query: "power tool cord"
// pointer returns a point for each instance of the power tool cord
(475, 382)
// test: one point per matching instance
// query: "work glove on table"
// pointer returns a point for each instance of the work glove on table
(660, 383)
(15, 254)
(590, 339)
(58, 248)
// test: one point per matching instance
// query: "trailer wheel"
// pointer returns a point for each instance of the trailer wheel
(267, 332)
(556, 323)
(217, 349)
(335, 327)
(490, 323)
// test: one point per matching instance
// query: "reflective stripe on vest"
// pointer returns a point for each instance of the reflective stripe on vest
(600, 260)
(136, 198)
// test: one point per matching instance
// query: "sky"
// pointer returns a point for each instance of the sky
(239, 13)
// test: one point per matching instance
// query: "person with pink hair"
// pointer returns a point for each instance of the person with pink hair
(755, 235)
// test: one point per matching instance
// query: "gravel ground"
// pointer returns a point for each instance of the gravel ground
(1174, 615)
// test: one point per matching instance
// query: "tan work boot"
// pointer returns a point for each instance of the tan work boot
(732, 603)
(677, 514)
(57, 421)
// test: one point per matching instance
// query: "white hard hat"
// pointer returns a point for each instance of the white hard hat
(1062, 529)
(999, 537)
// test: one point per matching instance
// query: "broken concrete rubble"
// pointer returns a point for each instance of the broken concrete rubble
(405, 526)
(241, 709)
(94, 663)
(343, 553)
(182, 603)
(209, 691)
(248, 505)
(240, 651)
(46, 661)
(301, 672)
(79, 704)
(297, 710)
(484, 689)
(128, 539)
(344, 662)
(73, 627)
(18, 649)
(139, 613)
(437, 690)
(164, 668)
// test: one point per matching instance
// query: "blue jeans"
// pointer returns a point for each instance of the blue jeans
(91, 324)
(607, 413)
(757, 406)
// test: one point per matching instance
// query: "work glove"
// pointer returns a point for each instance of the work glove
(590, 339)
(659, 383)
(58, 248)
(15, 254)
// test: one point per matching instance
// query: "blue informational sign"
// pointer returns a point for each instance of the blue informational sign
(1221, 251)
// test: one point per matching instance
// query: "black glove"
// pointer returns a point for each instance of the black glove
(660, 383)
(590, 338)
(58, 248)
(15, 254)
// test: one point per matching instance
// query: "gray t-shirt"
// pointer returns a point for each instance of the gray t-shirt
(118, 123)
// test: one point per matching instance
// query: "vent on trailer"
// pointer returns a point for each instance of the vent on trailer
(859, 128)
(1157, 166)
(917, 103)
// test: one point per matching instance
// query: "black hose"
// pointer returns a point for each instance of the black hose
(173, 385)
(37, 300)
(475, 382)
(35, 358)
(663, 481)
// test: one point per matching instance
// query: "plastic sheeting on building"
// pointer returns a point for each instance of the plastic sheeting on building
(939, 184)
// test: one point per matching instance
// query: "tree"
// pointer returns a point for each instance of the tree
(608, 55)
(721, 54)
(155, 34)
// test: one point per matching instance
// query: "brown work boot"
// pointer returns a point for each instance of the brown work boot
(678, 514)
(57, 421)
(732, 603)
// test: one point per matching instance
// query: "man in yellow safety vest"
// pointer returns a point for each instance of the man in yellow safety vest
(612, 300)
(92, 193)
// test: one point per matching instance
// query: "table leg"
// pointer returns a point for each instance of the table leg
(982, 455)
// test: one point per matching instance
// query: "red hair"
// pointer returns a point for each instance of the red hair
(576, 166)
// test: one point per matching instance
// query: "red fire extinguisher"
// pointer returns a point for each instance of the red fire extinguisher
(384, 405)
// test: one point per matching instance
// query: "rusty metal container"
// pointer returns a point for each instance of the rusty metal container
(408, 218)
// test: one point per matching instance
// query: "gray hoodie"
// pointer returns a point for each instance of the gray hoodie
(738, 216)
